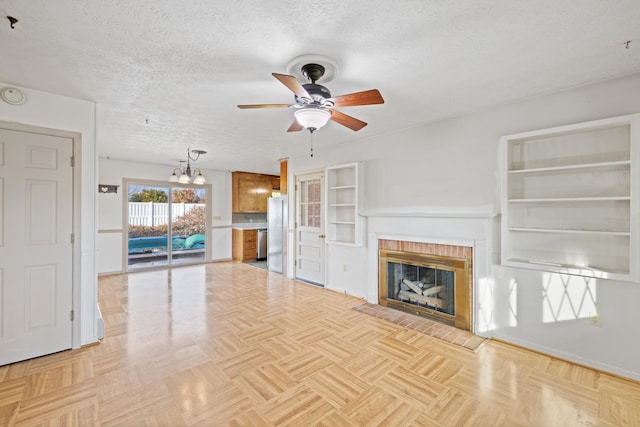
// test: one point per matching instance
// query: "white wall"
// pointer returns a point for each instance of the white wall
(73, 115)
(452, 167)
(110, 208)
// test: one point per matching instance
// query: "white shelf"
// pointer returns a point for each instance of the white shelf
(570, 167)
(343, 187)
(341, 242)
(555, 230)
(344, 190)
(578, 270)
(570, 200)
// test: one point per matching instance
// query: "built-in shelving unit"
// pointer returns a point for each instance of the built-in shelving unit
(570, 199)
(344, 187)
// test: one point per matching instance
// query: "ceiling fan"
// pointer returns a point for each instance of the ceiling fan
(314, 104)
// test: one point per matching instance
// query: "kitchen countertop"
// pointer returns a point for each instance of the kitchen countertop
(249, 225)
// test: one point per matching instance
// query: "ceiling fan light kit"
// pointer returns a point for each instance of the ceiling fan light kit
(314, 105)
(312, 118)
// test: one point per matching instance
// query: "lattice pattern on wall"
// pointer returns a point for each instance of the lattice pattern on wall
(566, 297)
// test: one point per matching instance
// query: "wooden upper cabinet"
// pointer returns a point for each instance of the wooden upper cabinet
(284, 164)
(251, 191)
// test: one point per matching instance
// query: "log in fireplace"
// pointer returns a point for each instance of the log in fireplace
(429, 285)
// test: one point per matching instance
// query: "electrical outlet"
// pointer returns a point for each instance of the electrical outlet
(595, 320)
(344, 268)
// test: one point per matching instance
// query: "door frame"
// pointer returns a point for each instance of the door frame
(208, 249)
(76, 271)
(294, 252)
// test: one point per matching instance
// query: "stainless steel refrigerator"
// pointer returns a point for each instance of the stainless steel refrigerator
(277, 226)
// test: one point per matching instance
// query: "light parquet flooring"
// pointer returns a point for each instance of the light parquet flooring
(227, 344)
(424, 325)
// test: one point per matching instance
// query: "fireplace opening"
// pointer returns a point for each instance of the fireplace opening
(430, 287)
(427, 285)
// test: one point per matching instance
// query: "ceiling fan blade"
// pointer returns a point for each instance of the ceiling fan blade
(367, 97)
(346, 120)
(295, 127)
(265, 106)
(293, 85)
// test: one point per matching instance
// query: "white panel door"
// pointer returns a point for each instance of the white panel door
(36, 222)
(310, 244)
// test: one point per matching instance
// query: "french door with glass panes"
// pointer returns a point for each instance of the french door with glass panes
(165, 224)
(310, 244)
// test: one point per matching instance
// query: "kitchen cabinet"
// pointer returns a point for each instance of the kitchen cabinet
(284, 166)
(251, 190)
(570, 201)
(275, 182)
(244, 245)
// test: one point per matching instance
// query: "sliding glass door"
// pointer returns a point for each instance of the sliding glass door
(188, 225)
(165, 224)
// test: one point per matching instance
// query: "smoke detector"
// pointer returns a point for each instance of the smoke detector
(12, 96)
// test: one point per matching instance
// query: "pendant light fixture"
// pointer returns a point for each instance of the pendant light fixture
(186, 175)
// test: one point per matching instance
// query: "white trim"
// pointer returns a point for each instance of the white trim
(433, 214)
(568, 356)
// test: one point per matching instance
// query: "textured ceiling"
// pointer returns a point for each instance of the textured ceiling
(185, 66)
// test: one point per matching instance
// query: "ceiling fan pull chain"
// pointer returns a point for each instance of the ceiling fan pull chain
(311, 143)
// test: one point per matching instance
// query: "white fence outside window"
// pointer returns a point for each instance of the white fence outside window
(151, 213)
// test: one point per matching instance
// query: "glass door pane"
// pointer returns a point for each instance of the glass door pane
(148, 220)
(310, 202)
(188, 225)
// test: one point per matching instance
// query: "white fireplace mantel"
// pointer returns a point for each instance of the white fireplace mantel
(479, 214)
(457, 228)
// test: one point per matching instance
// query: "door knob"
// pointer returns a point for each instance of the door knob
(322, 236)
